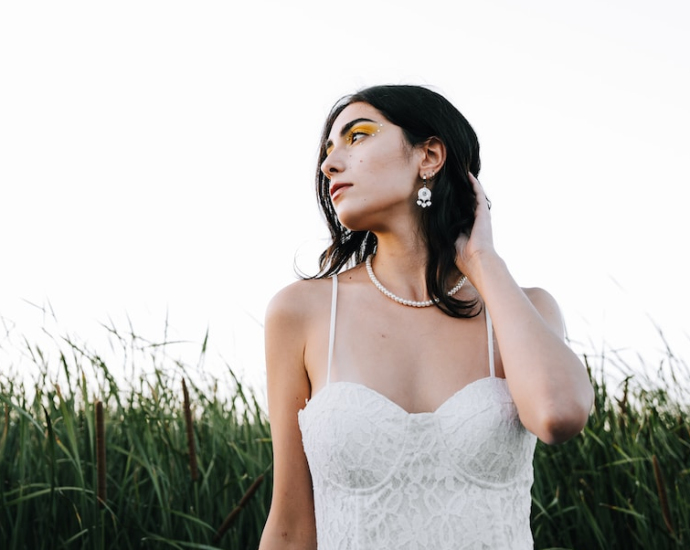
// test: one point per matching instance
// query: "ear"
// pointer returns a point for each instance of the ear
(433, 157)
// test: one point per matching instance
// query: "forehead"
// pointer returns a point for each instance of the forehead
(353, 112)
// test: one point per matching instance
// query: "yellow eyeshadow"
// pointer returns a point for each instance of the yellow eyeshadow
(369, 128)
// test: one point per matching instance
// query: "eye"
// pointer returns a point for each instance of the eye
(364, 129)
(356, 135)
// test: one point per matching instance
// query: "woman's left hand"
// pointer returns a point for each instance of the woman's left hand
(469, 250)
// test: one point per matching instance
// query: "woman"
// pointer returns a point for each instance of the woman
(426, 371)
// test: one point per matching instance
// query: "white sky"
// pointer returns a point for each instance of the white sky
(159, 156)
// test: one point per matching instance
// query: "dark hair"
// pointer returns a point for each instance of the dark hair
(421, 114)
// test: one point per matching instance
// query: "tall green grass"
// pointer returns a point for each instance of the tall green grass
(49, 467)
(185, 460)
(625, 481)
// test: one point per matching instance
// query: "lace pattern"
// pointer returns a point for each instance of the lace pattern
(456, 478)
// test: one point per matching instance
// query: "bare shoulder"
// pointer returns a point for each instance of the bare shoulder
(540, 298)
(547, 307)
(296, 332)
(299, 301)
(293, 318)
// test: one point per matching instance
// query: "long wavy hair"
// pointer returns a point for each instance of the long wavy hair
(421, 114)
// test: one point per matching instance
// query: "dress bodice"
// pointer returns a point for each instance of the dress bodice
(455, 478)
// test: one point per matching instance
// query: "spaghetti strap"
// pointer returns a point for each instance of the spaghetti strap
(490, 340)
(331, 336)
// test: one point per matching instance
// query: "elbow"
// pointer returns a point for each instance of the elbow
(561, 430)
(562, 422)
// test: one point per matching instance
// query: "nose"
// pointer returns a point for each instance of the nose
(332, 164)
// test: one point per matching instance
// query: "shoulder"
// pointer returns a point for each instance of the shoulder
(299, 301)
(547, 307)
(294, 318)
(540, 298)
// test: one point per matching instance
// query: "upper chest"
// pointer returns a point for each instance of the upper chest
(417, 357)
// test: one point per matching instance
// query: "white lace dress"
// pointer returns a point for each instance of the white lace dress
(385, 479)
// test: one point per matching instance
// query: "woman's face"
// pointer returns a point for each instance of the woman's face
(373, 173)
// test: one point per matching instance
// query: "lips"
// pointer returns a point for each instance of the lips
(337, 188)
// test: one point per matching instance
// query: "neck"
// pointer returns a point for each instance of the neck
(400, 265)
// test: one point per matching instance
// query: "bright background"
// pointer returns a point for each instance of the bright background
(157, 158)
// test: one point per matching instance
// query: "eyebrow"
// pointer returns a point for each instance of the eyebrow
(345, 129)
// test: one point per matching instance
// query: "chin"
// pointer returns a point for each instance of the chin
(354, 223)
(354, 227)
(348, 219)
(360, 220)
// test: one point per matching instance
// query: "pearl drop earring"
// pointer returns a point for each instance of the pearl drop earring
(424, 194)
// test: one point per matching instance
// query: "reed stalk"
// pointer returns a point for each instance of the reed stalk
(6, 426)
(232, 516)
(100, 455)
(193, 467)
(663, 497)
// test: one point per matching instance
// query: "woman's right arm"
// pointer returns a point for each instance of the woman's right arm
(290, 523)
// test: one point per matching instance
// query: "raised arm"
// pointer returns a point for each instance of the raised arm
(290, 523)
(548, 382)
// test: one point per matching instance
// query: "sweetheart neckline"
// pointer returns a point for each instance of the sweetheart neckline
(398, 407)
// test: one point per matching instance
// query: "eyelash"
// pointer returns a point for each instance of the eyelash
(351, 137)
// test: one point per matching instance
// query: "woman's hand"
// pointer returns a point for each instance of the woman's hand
(470, 250)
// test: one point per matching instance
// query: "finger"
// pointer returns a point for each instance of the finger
(479, 191)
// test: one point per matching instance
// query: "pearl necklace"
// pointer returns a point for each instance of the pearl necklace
(403, 301)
